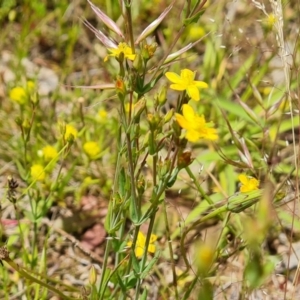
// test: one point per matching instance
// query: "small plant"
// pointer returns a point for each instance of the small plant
(166, 172)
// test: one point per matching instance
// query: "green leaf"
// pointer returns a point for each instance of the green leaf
(115, 227)
(108, 218)
(152, 262)
(194, 18)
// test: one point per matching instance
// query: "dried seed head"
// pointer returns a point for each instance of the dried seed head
(4, 254)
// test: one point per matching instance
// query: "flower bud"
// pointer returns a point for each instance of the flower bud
(184, 159)
(92, 275)
(141, 185)
(26, 123)
(137, 63)
(139, 108)
(120, 88)
(169, 116)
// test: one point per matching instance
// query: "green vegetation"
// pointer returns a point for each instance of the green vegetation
(149, 150)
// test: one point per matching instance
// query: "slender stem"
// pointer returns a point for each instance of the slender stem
(129, 24)
(101, 290)
(170, 249)
(198, 186)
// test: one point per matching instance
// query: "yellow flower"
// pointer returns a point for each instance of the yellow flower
(195, 32)
(70, 132)
(37, 172)
(49, 152)
(20, 94)
(102, 115)
(122, 48)
(196, 126)
(205, 255)
(140, 244)
(92, 149)
(186, 82)
(248, 183)
(270, 20)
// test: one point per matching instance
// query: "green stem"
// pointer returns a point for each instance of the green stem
(198, 186)
(101, 290)
(129, 24)
(170, 249)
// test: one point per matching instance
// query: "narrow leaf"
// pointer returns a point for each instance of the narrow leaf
(106, 20)
(107, 42)
(149, 29)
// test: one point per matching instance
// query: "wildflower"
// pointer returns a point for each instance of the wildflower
(37, 172)
(205, 254)
(20, 94)
(140, 244)
(196, 126)
(92, 149)
(248, 183)
(49, 152)
(70, 131)
(102, 115)
(122, 48)
(195, 32)
(270, 21)
(186, 82)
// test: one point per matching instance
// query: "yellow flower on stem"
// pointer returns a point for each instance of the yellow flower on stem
(49, 152)
(37, 172)
(122, 48)
(20, 94)
(70, 131)
(92, 149)
(186, 82)
(195, 126)
(141, 244)
(248, 183)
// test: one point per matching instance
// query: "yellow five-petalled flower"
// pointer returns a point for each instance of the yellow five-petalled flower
(195, 125)
(186, 82)
(248, 183)
(122, 48)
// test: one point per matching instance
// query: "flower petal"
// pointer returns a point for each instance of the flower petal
(210, 134)
(192, 135)
(153, 238)
(243, 179)
(139, 251)
(201, 84)
(187, 74)
(193, 92)
(183, 123)
(178, 87)
(151, 248)
(173, 77)
(188, 113)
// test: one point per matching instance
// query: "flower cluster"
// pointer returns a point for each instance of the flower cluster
(196, 126)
